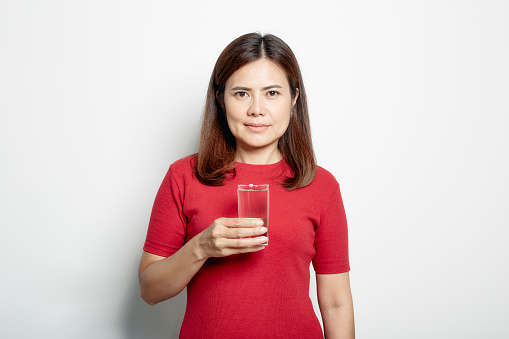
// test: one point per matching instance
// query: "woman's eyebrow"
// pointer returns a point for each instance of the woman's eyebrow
(271, 86)
(240, 88)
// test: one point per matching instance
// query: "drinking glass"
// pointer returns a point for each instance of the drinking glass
(253, 202)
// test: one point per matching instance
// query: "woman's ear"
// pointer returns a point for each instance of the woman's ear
(296, 96)
(218, 98)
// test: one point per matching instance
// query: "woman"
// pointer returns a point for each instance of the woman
(255, 130)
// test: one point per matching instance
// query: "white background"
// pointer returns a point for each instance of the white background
(409, 108)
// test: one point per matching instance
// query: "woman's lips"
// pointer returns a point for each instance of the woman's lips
(257, 127)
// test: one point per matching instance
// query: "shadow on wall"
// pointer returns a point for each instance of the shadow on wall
(161, 321)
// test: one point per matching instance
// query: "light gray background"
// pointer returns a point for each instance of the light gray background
(409, 109)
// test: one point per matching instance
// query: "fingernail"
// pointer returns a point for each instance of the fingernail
(264, 239)
(263, 230)
(259, 223)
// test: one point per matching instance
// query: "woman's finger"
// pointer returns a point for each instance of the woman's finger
(233, 228)
(244, 242)
(234, 233)
(240, 222)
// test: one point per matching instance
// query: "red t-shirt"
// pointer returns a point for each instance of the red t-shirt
(254, 295)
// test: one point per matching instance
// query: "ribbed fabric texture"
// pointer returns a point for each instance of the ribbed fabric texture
(255, 295)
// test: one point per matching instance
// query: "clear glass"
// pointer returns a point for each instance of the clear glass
(253, 202)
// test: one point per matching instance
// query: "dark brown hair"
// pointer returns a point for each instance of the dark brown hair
(216, 154)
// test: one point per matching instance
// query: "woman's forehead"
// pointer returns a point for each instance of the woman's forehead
(262, 72)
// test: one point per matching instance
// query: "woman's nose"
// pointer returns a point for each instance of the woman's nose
(256, 108)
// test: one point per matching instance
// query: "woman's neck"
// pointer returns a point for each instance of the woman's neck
(258, 157)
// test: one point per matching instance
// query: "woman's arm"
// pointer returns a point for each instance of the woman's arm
(336, 305)
(163, 278)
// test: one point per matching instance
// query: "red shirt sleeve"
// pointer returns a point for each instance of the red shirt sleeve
(331, 238)
(167, 227)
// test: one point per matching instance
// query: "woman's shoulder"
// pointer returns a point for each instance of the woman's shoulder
(323, 174)
(324, 179)
(183, 166)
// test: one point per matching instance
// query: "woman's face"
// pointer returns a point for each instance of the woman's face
(258, 102)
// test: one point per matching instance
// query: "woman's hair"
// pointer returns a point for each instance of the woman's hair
(216, 154)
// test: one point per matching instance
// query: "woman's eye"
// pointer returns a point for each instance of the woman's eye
(272, 93)
(241, 94)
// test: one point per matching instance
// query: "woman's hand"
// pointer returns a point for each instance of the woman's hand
(227, 236)
(163, 278)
